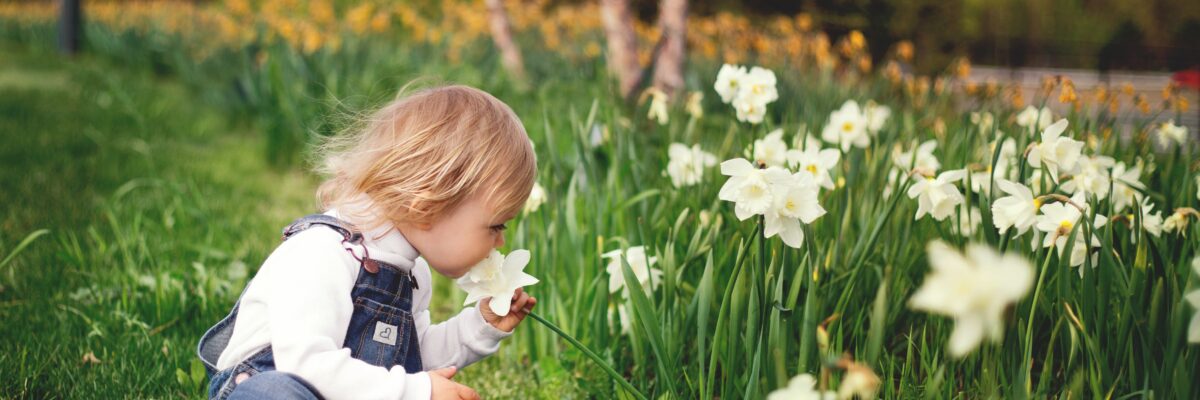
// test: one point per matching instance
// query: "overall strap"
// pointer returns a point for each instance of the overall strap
(349, 236)
(308, 221)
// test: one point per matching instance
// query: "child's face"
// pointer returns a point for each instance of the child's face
(459, 240)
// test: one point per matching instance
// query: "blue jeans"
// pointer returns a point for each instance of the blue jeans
(381, 330)
(274, 385)
(256, 378)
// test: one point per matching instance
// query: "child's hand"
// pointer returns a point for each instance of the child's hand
(522, 304)
(444, 388)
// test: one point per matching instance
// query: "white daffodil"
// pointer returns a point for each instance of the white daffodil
(771, 150)
(1152, 223)
(729, 82)
(647, 276)
(795, 202)
(695, 104)
(658, 106)
(815, 161)
(984, 120)
(804, 140)
(1092, 178)
(923, 158)
(1035, 181)
(1170, 134)
(876, 115)
(749, 109)
(974, 288)
(859, 381)
(1031, 117)
(759, 86)
(686, 165)
(893, 175)
(1058, 220)
(981, 181)
(497, 277)
(537, 196)
(1017, 210)
(1176, 223)
(1197, 187)
(937, 196)
(800, 387)
(847, 127)
(748, 92)
(968, 222)
(747, 187)
(619, 312)
(598, 136)
(1126, 183)
(1058, 153)
(1193, 298)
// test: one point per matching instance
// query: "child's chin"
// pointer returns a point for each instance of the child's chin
(452, 274)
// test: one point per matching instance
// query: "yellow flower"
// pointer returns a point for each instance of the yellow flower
(358, 18)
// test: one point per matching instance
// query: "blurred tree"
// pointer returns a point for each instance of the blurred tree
(1185, 47)
(1126, 49)
(668, 67)
(1061, 33)
(622, 44)
(510, 53)
(70, 26)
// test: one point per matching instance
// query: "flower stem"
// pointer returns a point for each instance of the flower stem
(1037, 291)
(611, 372)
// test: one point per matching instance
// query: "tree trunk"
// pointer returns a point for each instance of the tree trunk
(510, 54)
(70, 26)
(622, 44)
(668, 68)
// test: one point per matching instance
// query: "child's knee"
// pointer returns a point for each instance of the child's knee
(272, 385)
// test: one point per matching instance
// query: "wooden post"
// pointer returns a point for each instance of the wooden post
(70, 26)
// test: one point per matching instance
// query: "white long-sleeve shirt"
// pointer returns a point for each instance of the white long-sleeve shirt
(299, 303)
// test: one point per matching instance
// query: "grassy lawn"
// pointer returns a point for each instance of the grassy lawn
(158, 210)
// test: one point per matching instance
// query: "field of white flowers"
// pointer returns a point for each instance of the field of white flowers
(784, 231)
(898, 270)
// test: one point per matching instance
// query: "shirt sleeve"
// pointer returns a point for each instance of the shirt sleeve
(459, 341)
(309, 308)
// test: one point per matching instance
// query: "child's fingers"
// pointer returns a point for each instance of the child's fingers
(447, 372)
(528, 308)
(518, 293)
(519, 303)
(467, 393)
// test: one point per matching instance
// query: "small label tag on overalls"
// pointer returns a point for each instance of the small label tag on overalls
(385, 333)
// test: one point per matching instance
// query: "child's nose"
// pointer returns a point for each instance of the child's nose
(499, 241)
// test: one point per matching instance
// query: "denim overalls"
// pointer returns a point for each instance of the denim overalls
(381, 330)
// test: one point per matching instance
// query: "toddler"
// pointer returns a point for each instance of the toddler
(340, 308)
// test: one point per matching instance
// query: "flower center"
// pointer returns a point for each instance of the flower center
(1064, 228)
(847, 127)
(811, 168)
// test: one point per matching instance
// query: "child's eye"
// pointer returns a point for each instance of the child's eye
(499, 228)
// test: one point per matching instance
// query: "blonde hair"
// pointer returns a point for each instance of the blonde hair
(422, 155)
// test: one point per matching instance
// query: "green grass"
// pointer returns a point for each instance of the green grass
(157, 211)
